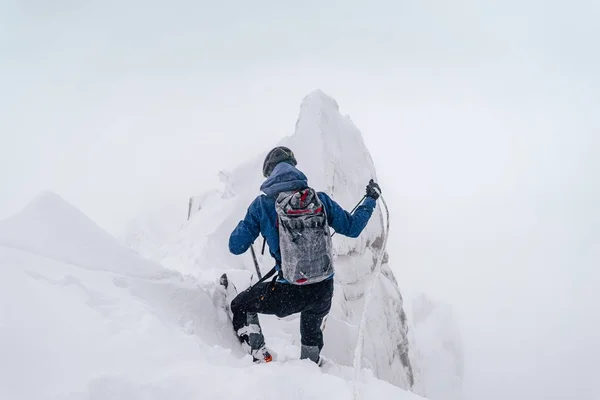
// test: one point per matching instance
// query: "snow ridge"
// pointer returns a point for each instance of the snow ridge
(51, 227)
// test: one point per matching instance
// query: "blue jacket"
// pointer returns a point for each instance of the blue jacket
(261, 216)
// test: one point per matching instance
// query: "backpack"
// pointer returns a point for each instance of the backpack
(304, 237)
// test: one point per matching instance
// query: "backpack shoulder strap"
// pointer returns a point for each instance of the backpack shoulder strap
(267, 276)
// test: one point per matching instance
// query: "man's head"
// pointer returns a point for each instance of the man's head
(277, 155)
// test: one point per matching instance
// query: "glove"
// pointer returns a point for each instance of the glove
(373, 190)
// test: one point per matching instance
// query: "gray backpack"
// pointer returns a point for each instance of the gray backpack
(304, 237)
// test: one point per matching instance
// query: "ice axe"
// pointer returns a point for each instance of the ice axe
(255, 261)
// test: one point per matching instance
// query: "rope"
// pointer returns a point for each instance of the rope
(358, 352)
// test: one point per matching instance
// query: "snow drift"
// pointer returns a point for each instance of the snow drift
(84, 318)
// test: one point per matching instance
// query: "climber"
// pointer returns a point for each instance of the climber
(295, 222)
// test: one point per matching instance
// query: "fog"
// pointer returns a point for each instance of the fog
(481, 119)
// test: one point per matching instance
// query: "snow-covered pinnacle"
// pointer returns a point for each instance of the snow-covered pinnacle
(331, 152)
(330, 148)
(318, 99)
(51, 227)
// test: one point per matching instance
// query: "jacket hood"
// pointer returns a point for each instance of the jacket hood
(285, 177)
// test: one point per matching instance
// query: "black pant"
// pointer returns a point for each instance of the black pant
(282, 299)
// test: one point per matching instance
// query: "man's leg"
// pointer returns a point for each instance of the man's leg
(244, 308)
(264, 298)
(311, 321)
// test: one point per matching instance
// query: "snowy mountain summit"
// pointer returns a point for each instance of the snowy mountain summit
(331, 152)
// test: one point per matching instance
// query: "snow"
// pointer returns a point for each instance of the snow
(331, 152)
(50, 227)
(84, 318)
(438, 349)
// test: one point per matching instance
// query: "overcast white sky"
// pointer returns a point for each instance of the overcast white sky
(482, 119)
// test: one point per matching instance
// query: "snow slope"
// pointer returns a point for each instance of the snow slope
(331, 152)
(84, 318)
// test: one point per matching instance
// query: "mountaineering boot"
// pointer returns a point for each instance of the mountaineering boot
(310, 352)
(253, 341)
(261, 355)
